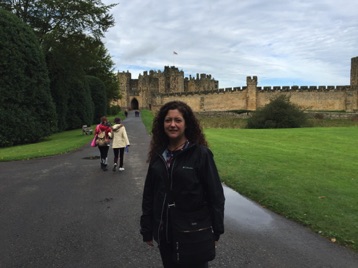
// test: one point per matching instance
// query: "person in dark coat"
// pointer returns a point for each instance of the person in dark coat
(179, 154)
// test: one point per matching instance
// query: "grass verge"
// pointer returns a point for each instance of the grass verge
(147, 118)
(307, 174)
(58, 143)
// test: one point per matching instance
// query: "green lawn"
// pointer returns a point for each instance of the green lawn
(309, 175)
(58, 143)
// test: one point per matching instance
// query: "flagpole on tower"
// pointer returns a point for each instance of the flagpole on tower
(174, 54)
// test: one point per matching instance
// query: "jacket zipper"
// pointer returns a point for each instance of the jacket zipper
(161, 218)
(163, 205)
(170, 177)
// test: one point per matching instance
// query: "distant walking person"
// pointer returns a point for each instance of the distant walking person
(102, 133)
(119, 143)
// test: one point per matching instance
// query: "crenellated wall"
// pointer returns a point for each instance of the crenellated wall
(202, 93)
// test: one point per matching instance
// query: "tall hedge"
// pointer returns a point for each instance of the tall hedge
(99, 98)
(69, 86)
(27, 112)
(81, 106)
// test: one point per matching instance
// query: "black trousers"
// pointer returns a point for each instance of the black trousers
(166, 254)
(120, 152)
(104, 154)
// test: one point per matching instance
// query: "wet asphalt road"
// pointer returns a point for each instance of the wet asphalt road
(64, 211)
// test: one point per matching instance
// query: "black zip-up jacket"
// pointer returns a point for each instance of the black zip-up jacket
(194, 181)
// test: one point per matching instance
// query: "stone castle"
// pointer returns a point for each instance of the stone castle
(202, 93)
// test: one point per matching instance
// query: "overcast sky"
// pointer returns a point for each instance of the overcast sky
(284, 43)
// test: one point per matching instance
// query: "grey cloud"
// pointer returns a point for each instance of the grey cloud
(310, 41)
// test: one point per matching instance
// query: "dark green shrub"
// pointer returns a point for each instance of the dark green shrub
(114, 110)
(27, 112)
(319, 116)
(59, 72)
(80, 106)
(279, 113)
(239, 111)
(70, 89)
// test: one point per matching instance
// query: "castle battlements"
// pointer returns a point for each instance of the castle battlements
(202, 92)
(290, 88)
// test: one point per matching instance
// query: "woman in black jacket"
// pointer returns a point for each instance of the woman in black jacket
(182, 176)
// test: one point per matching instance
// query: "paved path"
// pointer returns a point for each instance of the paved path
(63, 211)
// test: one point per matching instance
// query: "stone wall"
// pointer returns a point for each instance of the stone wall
(202, 93)
(334, 100)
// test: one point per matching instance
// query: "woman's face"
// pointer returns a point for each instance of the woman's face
(174, 125)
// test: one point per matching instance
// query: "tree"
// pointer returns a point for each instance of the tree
(279, 113)
(69, 86)
(53, 20)
(27, 112)
(69, 33)
(99, 98)
(80, 108)
(101, 65)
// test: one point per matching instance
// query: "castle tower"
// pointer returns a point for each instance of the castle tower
(124, 79)
(251, 93)
(353, 99)
(174, 79)
(147, 86)
(202, 82)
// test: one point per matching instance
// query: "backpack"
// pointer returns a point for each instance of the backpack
(101, 139)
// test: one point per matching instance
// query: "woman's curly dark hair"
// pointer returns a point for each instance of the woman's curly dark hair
(193, 130)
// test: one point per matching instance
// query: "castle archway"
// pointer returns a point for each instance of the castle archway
(134, 104)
